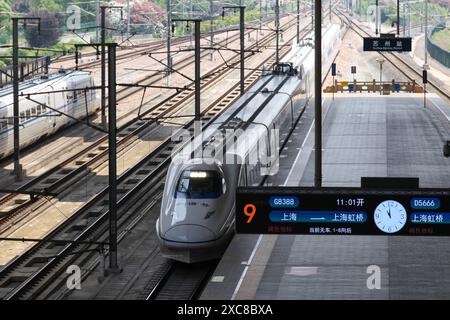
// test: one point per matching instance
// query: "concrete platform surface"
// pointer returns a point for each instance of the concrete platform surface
(364, 135)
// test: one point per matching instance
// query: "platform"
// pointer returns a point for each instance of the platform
(364, 135)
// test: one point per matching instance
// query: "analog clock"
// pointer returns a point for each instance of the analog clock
(390, 216)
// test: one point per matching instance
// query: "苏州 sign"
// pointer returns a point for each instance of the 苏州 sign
(387, 44)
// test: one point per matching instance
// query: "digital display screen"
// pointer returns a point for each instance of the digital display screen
(342, 211)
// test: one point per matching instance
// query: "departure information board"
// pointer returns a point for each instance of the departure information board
(342, 211)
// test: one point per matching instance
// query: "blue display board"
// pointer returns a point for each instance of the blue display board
(342, 211)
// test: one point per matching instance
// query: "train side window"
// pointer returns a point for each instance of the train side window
(28, 113)
(10, 121)
(3, 124)
(38, 109)
(33, 111)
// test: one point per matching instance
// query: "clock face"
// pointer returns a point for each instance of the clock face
(390, 216)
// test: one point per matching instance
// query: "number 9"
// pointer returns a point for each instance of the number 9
(249, 211)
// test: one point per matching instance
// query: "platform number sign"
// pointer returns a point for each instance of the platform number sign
(424, 76)
(343, 211)
(333, 69)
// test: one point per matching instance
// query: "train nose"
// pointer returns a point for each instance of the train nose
(189, 233)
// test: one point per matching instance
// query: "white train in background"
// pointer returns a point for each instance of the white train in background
(37, 120)
(198, 206)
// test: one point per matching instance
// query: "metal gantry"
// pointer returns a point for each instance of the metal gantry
(241, 40)
(197, 79)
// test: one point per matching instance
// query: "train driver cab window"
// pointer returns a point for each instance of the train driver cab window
(200, 185)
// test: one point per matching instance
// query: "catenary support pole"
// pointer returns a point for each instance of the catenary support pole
(298, 22)
(16, 112)
(211, 27)
(277, 31)
(112, 164)
(318, 94)
(242, 42)
(17, 165)
(169, 39)
(197, 69)
(103, 63)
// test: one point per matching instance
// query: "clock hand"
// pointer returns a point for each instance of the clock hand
(389, 211)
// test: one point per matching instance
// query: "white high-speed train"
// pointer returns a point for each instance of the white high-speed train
(240, 148)
(37, 120)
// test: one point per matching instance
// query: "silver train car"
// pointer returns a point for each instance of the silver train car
(240, 148)
(37, 120)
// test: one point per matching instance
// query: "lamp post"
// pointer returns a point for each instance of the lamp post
(381, 61)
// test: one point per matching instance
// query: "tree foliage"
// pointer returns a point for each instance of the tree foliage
(51, 29)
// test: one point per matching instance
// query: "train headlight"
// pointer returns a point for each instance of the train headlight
(198, 174)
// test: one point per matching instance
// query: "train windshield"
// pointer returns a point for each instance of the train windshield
(199, 184)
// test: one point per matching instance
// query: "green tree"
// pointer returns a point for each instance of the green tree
(50, 5)
(51, 29)
(5, 34)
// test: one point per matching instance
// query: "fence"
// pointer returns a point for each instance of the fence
(385, 87)
(26, 69)
(438, 53)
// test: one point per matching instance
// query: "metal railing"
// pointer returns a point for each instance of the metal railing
(385, 87)
(26, 69)
(440, 54)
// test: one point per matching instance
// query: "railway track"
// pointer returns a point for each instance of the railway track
(397, 62)
(45, 262)
(182, 281)
(54, 179)
(144, 47)
(186, 282)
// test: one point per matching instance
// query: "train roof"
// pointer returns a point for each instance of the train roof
(37, 84)
(42, 81)
(256, 97)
